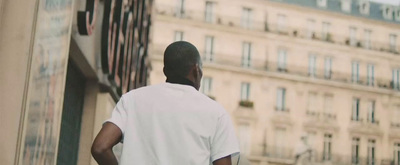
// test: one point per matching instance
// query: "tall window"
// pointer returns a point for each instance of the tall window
(355, 116)
(206, 85)
(246, 18)
(367, 38)
(355, 71)
(396, 78)
(310, 28)
(209, 12)
(280, 99)
(178, 36)
(328, 104)
(396, 154)
(280, 142)
(353, 39)
(245, 91)
(327, 147)
(370, 74)
(281, 23)
(325, 30)
(246, 54)
(371, 152)
(328, 67)
(244, 138)
(180, 8)
(282, 53)
(371, 111)
(209, 49)
(355, 151)
(312, 102)
(312, 62)
(393, 42)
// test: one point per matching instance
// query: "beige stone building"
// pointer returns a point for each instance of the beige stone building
(327, 70)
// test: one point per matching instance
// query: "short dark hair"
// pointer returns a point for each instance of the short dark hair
(179, 57)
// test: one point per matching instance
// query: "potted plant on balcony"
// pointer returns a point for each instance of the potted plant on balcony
(246, 103)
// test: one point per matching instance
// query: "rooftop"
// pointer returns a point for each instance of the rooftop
(359, 8)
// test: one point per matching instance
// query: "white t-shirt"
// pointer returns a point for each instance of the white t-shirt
(173, 124)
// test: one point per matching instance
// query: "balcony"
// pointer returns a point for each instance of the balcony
(245, 111)
(269, 27)
(322, 121)
(234, 62)
(358, 125)
(273, 155)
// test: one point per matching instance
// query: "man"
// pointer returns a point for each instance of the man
(170, 123)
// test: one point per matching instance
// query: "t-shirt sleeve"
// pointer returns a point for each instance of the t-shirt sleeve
(118, 116)
(224, 142)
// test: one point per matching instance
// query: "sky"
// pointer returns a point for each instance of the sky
(393, 2)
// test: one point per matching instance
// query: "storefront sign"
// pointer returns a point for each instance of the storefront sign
(87, 18)
(124, 42)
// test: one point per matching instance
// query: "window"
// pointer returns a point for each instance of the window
(321, 3)
(353, 39)
(327, 147)
(178, 36)
(346, 5)
(281, 23)
(280, 99)
(371, 111)
(328, 104)
(395, 79)
(312, 69)
(325, 31)
(328, 67)
(310, 28)
(245, 91)
(209, 49)
(355, 72)
(370, 74)
(206, 85)
(371, 152)
(246, 54)
(246, 18)
(387, 12)
(282, 53)
(393, 42)
(355, 151)
(396, 154)
(356, 110)
(280, 142)
(244, 138)
(209, 12)
(364, 7)
(180, 9)
(312, 103)
(367, 38)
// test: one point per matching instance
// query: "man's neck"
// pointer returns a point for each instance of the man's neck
(180, 80)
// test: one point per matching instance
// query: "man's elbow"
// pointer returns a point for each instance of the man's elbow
(98, 150)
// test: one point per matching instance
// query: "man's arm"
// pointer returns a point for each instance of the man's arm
(108, 137)
(223, 161)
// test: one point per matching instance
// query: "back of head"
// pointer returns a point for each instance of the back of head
(179, 58)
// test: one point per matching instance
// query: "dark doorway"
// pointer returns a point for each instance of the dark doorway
(71, 116)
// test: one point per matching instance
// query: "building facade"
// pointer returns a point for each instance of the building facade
(324, 70)
(64, 64)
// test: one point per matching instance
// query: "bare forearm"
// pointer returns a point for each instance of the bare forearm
(106, 157)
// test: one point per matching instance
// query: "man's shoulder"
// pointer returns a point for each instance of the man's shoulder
(143, 90)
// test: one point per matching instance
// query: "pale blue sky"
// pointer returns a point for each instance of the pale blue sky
(393, 2)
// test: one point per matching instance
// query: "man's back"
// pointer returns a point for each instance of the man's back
(173, 124)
